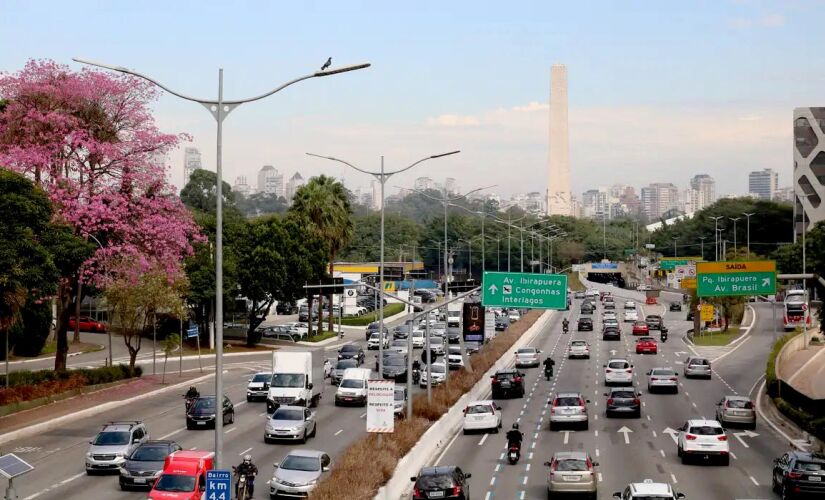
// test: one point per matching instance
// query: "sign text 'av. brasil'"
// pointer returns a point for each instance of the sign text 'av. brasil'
(527, 290)
(719, 279)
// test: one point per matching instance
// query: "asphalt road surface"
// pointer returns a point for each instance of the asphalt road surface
(645, 449)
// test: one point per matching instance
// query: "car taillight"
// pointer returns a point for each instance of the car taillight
(417, 492)
(610, 401)
(465, 409)
(581, 402)
(673, 378)
(637, 401)
(496, 381)
(589, 464)
(517, 379)
(608, 370)
(727, 404)
(722, 438)
(794, 475)
(456, 490)
(690, 437)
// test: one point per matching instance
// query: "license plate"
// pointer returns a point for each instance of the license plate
(201, 423)
(140, 481)
(505, 384)
(571, 478)
(435, 494)
(814, 478)
(347, 399)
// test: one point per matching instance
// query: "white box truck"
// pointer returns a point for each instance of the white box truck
(454, 311)
(297, 379)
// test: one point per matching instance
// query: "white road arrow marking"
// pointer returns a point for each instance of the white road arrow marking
(679, 353)
(750, 434)
(672, 433)
(612, 352)
(624, 430)
(493, 289)
(566, 436)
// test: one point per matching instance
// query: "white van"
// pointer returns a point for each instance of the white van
(353, 387)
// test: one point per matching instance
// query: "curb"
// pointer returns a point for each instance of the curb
(762, 415)
(70, 355)
(741, 337)
(89, 412)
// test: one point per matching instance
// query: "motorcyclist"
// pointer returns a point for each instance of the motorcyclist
(250, 470)
(548, 366)
(192, 393)
(663, 334)
(565, 325)
(416, 367)
(514, 437)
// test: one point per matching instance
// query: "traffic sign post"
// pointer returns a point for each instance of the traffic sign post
(218, 485)
(723, 279)
(524, 290)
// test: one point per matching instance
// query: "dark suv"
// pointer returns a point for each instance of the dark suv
(585, 324)
(587, 307)
(145, 463)
(798, 473)
(441, 482)
(509, 382)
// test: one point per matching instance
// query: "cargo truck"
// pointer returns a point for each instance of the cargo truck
(297, 379)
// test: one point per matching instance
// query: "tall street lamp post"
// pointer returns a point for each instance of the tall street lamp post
(702, 240)
(748, 215)
(381, 176)
(735, 252)
(674, 238)
(220, 109)
(716, 233)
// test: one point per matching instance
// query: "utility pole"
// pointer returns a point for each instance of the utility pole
(735, 253)
(748, 215)
(716, 234)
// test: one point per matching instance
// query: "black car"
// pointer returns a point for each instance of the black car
(453, 336)
(585, 324)
(502, 322)
(623, 401)
(611, 333)
(675, 306)
(508, 382)
(351, 351)
(799, 473)
(286, 308)
(690, 315)
(395, 368)
(471, 347)
(587, 308)
(402, 331)
(145, 462)
(202, 413)
(373, 327)
(441, 482)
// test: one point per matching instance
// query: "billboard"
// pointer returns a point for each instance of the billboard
(473, 324)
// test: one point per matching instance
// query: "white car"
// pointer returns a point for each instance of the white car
(610, 322)
(608, 315)
(438, 371)
(454, 358)
(648, 489)
(703, 439)
(592, 292)
(513, 315)
(578, 349)
(418, 339)
(630, 305)
(375, 340)
(630, 315)
(643, 287)
(618, 371)
(437, 344)
(482, 415)
(301, 328)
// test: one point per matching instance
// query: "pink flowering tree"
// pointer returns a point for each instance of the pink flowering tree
(89, 140)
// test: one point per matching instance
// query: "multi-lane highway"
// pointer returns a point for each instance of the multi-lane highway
(627, 449)
(58, 454)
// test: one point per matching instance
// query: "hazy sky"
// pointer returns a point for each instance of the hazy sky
(659, 91)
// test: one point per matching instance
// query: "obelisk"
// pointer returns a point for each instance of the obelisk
(558, 167)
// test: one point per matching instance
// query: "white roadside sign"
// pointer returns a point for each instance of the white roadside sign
(380, 405)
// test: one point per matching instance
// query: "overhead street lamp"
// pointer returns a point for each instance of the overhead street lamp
(381, 176)
(702, 239)
(748, 215)
(219, 109)
(716, 233)
(734, 219)
(483, 218)
(674, 238)
(509, 224)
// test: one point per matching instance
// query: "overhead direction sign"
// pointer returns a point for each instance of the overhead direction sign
(524, 290)
(670, 263)
(721, 279)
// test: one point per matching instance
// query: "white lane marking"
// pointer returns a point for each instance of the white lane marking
(363, 415)
(339, 431)
(498, 468)
(654, 433)
(527, 468)
(230, 430)
(595, 433)
(624, 430)
(673, 478)
(493, 481)
(167, 436)
(662, 453)
(245, 452)
(530, 456)
(599, 476)
(488, 496)
(523, 481)
(754, 480)
(597, 452)
(483, 438)
(733, 455)
(566, 436)
(521, 496)
(56, 485)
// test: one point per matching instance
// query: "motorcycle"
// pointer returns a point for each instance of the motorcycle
(565, 328)
(241, 487)
(416, 374)
(548, 372)
(513, 453)
(188, 402)
(663, 334)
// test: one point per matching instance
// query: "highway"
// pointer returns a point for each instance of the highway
(58, 455)
(628, 450)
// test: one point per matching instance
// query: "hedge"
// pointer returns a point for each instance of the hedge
(93, 376)
(809, 423)
(366, 319)
(771, 382)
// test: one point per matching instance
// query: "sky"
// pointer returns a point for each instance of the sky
(659, 91)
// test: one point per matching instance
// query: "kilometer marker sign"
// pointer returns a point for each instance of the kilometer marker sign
(723, 279)
(524, 290)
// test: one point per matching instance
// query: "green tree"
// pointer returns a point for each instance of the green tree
(324, 204)
(201, 192)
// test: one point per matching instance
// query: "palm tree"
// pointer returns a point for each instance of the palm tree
(324, 203)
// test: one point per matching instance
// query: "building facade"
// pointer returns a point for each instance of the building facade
(241, 186)
(424, 184)
(658, 199)
(704, 187)
(191, 162)
(292, 185)
(808, 167)
(763, 183)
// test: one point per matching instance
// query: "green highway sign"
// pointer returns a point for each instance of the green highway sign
(722, 279)
(524, 290)
(670, 263)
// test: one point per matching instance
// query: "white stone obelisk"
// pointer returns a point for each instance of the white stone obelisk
(559, 200)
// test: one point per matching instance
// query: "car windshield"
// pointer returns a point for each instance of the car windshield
(809, 466)
(433, 482)
(306, 464)
(699, 361)
(150, 454)
(647, 339)
(110, 438)
(374, 336)
(418, 333)
(261, 377)
(578, 343)
(663, 372)
(623, 394)
(618, 365)
(394, 361)
(349, 348)
(571, 464)
(706, 430)
(567, 401)
(174, 482)
(639, 323)
(479, 409)
(288, 380)
(352, 383)
(740, 403)
(204, 404)
(526, 350)
(288, 414)
(346, 363)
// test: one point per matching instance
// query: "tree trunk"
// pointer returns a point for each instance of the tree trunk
(163, 376)
(78, 301)
(320, 314)
(64, 300)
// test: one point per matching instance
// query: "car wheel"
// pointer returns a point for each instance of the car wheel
(304, 437)
(464, 431)
(552, 426)
(679, 452)
(267, 440)
(189, 427)
(752, 426)
(586, 426)
(314, 431)
(784, 494)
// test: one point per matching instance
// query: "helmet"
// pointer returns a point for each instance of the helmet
(515, 425)
(247, 459)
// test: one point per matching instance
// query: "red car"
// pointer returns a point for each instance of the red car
(647, 345)
(640, 328)
(87, 324)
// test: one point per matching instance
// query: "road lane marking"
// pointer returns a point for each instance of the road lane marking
(754, 480)
(662, 453)
(599, 475)
(488, 496)
(230, 430)
(493, 481)
(483, 438)
(566, 436)
(363, 415)
(56, 485)
(339, 431)
(245, 452)
(673, 478)
(167, 436)
(597, 452)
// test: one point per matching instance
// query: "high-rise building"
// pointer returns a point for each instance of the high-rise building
(451, 186)
(558, 168)
(532, 202)
(763, 183)
(295, 182)
(594, 202)
(784, 195)
(705, 188)
(191, 162)
(424, 184)
(270, 181)
(241, 186)
(376, 195)
(659, 198)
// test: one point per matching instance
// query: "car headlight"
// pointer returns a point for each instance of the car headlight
(310, 483)
(88, 454)
(124, 472)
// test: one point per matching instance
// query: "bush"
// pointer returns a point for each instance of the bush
(27, 385)
(807, 422)
(368, 318)
(771, 381)
(28, 336)
(349, 473)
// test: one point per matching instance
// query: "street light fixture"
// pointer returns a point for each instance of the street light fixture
(509, 224)
(381, 176)
(734, 219)
(748, 215)
(220, 109)
(702, 239)
(716, 232)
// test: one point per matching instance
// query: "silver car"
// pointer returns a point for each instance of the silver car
(571, 472)
(113, 444)
(697, 367)
(663, 378)
(290, 423)
(568, 408)
(527, 356)
(400, 400)
(399, 345)
(299, 472)
(736, 410)
(258, 386)
(437, 370)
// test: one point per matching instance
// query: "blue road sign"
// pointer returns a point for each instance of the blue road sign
(218, 485)
(192, 332)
